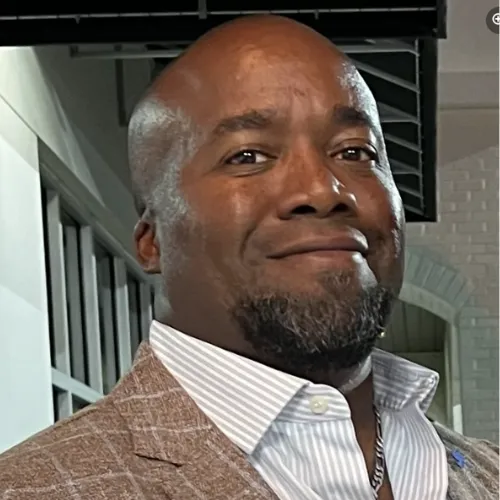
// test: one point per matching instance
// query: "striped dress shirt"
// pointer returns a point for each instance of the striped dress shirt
(299, 435)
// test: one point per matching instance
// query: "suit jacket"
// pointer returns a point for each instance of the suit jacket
(148, 440)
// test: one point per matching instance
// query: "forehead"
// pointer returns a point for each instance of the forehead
(291, 84)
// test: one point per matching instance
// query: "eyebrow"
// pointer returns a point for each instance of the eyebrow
(259, 119)
(349, 116)
(254, 119)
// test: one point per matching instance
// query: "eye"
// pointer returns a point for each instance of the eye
(358, 154)
(248, 157)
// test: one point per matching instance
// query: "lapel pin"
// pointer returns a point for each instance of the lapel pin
(459, 458)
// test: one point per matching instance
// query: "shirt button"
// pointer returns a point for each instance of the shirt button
(318, 404)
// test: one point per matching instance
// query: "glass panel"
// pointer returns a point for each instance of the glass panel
(133, 289)
(74, 304)
(55, 403)
(79, 404)
(109, 343)
(50, 309)
(153, 307)
(61, 402)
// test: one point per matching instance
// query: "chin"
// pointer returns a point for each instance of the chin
(340, 285)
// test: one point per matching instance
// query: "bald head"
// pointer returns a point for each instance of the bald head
(261, 142)
(242, 44)
(164, 130)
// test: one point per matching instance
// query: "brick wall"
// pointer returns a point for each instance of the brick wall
(466, 236)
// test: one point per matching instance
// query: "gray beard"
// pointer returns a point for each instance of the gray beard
(301, 334)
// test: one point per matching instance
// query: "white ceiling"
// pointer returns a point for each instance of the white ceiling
(470, 46)
(468, 57)
(467, 82)
(464, 132)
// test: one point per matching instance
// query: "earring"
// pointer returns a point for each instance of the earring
(381, 335)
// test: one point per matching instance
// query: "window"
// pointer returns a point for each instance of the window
(74, 304)
(100, 306)
(134, 300)
(107, 313)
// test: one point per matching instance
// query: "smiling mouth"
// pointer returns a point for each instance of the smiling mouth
(335, 247)
(324, 257)
(327, 253)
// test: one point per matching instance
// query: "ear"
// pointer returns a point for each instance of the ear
(147, 249)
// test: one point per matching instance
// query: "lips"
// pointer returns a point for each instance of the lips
(333, 243)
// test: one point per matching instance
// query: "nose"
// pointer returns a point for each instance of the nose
(311, 188)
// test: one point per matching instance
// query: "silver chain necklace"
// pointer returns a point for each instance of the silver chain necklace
(379, 470)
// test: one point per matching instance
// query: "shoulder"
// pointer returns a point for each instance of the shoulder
(57, 462)
(452, 439)
(472, 465)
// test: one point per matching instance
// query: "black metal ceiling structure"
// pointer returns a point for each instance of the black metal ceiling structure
(393, 43)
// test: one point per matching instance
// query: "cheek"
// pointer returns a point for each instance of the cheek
(397, 221)
(224, 214)
(385, 218)
(390, 203)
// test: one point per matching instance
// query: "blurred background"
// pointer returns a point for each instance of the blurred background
(74, 305)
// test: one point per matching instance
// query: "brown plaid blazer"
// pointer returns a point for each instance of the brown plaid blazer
(148, 440)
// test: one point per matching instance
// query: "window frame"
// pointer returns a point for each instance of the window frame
(65, 194)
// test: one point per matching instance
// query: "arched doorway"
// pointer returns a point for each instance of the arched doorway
(427, 313)
(420, 336)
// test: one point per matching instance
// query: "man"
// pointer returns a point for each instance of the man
(269, 209)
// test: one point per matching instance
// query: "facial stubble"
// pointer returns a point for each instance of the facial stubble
(312, 333)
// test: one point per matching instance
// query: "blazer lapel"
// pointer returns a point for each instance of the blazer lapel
(166, 425)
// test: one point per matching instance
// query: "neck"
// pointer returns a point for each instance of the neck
(355, 383)
(345, 380)
(358, 375)
(360, 402)
(227, 337)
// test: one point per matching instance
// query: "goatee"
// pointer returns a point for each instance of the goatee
(303, 333)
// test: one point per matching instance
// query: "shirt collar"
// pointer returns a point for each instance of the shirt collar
(243, 397)
(399, 382)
